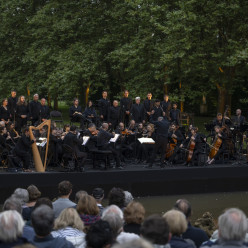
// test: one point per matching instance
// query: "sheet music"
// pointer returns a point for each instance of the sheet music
(146, 140)
(41, 142)
(85, 140)
(115, 138)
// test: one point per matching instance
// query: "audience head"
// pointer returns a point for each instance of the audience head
(65, 188)
(87, 205)
(80, 194)
(98, 194)
(113, 209)
(128, 198)
(232, 225)
(43, 201)
(69, 218)
(42, 220)
(184, 206)
(137, 243)
(134, 213)
(117, 197)
(99, 235)
(156, 230)
(177, 222)
(13, 204)
(11, 226)
(33, 192)
(21, 194)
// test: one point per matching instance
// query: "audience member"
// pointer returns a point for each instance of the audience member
(43, 222)
(11, 229)
(88, 210)
(69, 225)
(99, 235)
(232, 229)
(193, 233)
(117, 197)
(34, 194)
(98, 194)
(79, 194)
(128, 198)
(43, 201)
(178, 225)
(139, 243)
(134, 215)
(65, 190)
(22, 195)
(155, 229)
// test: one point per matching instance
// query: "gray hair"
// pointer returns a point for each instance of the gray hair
(11, 226)
(13, 204)
(113, 209)
(232, 225)
(80, 194)
(128, 198)
(138, 243)
(137, 98)
(21, 194)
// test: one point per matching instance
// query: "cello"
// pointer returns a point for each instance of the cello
(218, 141)
(171, 146)
(191, 146)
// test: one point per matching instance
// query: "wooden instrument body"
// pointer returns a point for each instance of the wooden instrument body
(171, 148)
(191, 150)
(215, 148)
(36, 155)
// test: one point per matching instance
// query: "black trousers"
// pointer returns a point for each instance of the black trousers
(160, 144)
(25, 157)
(81, 156)
(20, 123)
(115, 153)
(78, 118)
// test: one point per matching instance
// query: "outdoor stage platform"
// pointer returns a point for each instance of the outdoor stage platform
(136, 179)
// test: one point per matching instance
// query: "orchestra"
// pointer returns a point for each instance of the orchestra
(157, 121)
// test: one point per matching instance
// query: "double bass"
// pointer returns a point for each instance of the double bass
(171, 146)
(218, 141)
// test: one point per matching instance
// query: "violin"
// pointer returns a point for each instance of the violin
(126, 132)
(95, 133)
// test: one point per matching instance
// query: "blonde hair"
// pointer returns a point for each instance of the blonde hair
(176, 221)
(134, 213)
(69, 217)
(87, 205)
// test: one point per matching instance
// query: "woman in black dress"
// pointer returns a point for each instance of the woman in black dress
(21, 113)
(4, 111)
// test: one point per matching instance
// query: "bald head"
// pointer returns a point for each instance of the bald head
(105, 126)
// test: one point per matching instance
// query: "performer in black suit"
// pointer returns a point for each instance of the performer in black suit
(166, 106)
(175, 114)
(90, 112)
(21, 113)
(44, 110)
(148, 106)
(4, 111)
(157, 110)
(137, 111)
(219, 121)
(34, 110)
(72, 141)
(76, 114)
(239, 119)
(103, 106)
(12, 101)
(162, 127)
(22, 149)
(114, 115)
(126, 105)
(103, 139)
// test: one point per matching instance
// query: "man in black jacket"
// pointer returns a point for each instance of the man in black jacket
(103, 106)
(34, 110)
(12, 101)
(22, 149)
(157, 110)
(137, 111)
(72, 141)
(166, 106)
(125, 104)
(76, 114)
(162, 127)
(114, 115)
(175, 114)
(44, 111)
(148, 106)
(103, 143)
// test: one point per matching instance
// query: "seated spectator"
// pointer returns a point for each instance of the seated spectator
(21, 195)
(117, 197)
(79, 194)
(193, 233)
(139, 243)
(11, 228)
(43, 221)
(98, 194)
(155, 229)
(128, 198)
(114, 216)
(43, 201)
(34, 194)
(88, 211)
(99, 235)
(69, 225)
(65, 190)
(178, 225)
(232, 229)
(134, 215)
(14, 204)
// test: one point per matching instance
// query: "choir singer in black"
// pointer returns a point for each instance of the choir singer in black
(44, 110)
(76, 114)
(114, 115)
(103, 106)
(12, 101)
(137, 111)
(34, 110)
(126, 105)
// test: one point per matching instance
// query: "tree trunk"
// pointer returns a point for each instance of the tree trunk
(49, 102)
(56, 103)
(221, 99)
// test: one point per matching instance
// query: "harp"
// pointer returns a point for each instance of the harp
(39, 165)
